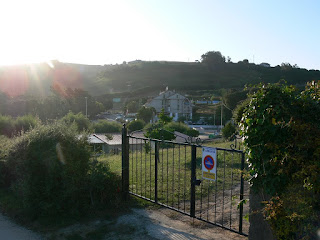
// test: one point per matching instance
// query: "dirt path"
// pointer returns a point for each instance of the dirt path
(142, 224)
(166, 224)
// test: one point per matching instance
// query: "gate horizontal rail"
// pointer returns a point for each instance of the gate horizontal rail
(167, 173)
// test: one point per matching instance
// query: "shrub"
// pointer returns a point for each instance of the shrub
(6, 125)
(146, 114)
(47, 169)
(79, 119)
(228, 130)
(103, 184)
(181, 127)
(192, 132)
(10, 126)
(281, 133)
(104, 126)
(176, 126)
(25, 123)
(136, 125)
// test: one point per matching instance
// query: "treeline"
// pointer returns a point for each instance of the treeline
(11, 127)
(212, 72)
(55, 105)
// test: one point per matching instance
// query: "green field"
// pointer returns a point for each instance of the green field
(174, 172)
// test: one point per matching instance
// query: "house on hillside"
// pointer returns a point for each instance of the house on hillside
(174, 104)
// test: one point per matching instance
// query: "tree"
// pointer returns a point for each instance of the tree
(163, 118)
(104, 126)
(213, 59)
(145, 114)
(228, 130)
(136, 125)
(158, 131)
(132, 107)
(79, 119)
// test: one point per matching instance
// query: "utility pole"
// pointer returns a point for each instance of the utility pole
(86, 107)
(221, 113)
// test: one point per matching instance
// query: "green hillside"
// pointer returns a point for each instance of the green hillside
(192, 76)
(141, 77)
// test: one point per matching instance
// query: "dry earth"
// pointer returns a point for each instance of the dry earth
(147, 224)
(138, 224)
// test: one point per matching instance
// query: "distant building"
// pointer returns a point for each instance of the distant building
(174, 104)
(102, 142)
(265, 64)
(112, 143)
(207, 102)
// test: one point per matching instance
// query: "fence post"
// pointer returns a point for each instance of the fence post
(241, 193)
(193, 180)
(125, 163)
(156, 157)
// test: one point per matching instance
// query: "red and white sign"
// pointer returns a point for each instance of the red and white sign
(209, 164)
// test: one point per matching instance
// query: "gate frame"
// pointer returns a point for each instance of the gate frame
(193, 181)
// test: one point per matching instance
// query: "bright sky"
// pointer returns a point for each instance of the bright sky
(113, 31)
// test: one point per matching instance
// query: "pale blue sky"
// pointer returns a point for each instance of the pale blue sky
(104, 32)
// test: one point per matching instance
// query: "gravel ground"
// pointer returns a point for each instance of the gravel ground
(142, 224)
(139, 224)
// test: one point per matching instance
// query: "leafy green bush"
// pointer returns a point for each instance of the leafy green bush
(49, 173)
(103, 184)
(176, 126)
(192, 132)
(25, 123)
(79, 119)
(47, 169)
(145, 114)
(181, 127)
(136, 125)
(165, 128)
(228, 130)
(281, 131)
(5, 144)
(10, 126)
(104, 126)
(6, 125)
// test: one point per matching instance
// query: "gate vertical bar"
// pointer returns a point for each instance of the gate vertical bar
(125, 163)
(241, 194)
(193, 180)
(156, 159)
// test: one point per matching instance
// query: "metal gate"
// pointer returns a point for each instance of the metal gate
(168, 173)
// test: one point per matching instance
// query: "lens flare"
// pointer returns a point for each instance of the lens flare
(14, 81)
(60, 153)
(64, 78)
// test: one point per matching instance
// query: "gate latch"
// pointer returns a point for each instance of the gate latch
(197, 182)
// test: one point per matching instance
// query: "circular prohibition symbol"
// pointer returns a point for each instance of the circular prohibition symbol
(208, 162)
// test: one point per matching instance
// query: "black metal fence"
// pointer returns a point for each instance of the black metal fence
(169, 174)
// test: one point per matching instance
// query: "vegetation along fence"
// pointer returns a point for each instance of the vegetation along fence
(168, 173)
